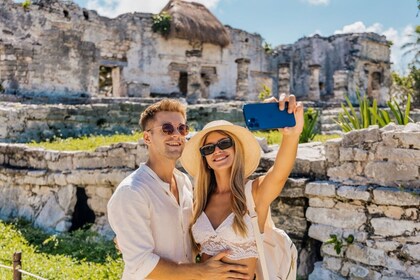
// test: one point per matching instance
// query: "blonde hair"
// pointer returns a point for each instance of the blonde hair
(205, 185)
(164, 105)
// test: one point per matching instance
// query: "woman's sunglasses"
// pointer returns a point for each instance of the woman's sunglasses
(223, 144)
(169, 129)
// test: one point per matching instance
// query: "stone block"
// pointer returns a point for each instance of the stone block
(389, 227)
(320, 188)
(104, 192)
(414, 271)
(412, 250)
(67, 198)
(332, 150)
(332, 263)
(394, 212)
(356, 193)
(321, 202)
(387, 246)
(323, 273)
(394, 196)
(346, 154)
(388, 173)
(342, 172)
(356, 138)
(398, 155)
(411, 214)
(388, 139)
(341, 218)
(366, 255)
(323, 232)
(408, 140)
(50, 215)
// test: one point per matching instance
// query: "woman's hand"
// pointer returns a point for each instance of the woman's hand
(293, 107)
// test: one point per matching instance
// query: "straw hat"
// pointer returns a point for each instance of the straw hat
(191, 156)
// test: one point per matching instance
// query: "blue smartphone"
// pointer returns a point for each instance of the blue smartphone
(265, 116)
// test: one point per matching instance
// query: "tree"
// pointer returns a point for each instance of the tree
(413, 47)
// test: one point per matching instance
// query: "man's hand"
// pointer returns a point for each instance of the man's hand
(214, 268)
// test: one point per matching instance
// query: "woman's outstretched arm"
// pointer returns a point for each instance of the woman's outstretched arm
(267, 187)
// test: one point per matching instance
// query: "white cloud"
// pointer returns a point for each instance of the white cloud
(398, 39)
(318, 2)
(113, 8)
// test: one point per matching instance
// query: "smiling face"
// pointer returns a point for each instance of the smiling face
(220, 159)
(162, 145)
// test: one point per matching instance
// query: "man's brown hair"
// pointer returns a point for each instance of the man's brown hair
(165, 105)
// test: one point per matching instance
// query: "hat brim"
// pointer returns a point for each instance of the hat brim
(191, 156)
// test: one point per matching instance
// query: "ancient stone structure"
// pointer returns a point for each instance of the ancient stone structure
(364, 186)
(364, 57)
(59, 50)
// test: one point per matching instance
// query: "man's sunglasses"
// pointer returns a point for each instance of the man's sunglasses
(169, 129)
(223, 144)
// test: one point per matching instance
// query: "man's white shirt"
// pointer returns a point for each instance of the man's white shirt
(148, 221)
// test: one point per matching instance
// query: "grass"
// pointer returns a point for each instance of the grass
(86, 143)
(274, 136)
(80, 255)
(90, 143)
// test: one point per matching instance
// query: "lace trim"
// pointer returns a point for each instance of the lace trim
(214, 245)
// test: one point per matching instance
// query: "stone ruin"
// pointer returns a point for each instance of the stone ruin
(54, 50)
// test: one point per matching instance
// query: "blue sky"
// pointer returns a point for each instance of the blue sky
(285, 21)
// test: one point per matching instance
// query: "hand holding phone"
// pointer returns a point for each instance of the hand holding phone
(265, 116)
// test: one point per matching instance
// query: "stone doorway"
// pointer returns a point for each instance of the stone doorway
(105, 81)
(110, 81)
(82, 215)
(183, 83)
(374, 86)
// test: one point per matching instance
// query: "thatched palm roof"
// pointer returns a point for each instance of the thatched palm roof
(193, 21)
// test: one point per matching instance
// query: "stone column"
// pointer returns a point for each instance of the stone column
(284, 78)
(341, 84)
(242, 80)
(314, 93)
(194, 72)
(118, 88)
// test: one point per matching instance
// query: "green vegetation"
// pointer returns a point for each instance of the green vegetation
(86, 143)
(80, 255)
(369, 114)
(162, 23)
(338, 242)
(90, 143)
(413, 47)
(264, 93)
(26, 4)
(267, 48)
(310, 118)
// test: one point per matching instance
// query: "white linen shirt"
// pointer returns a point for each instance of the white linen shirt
(149, 223)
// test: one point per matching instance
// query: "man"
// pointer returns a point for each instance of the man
(150, 210)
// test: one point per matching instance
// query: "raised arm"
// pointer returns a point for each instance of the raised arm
(266, 188)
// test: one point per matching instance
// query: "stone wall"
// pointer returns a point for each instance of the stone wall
(365, 57)
(41, 185)
(373, 196)
(24, 122)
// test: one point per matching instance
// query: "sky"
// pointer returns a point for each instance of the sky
(286, 21)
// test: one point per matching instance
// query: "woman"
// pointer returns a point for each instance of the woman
(221, 157)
